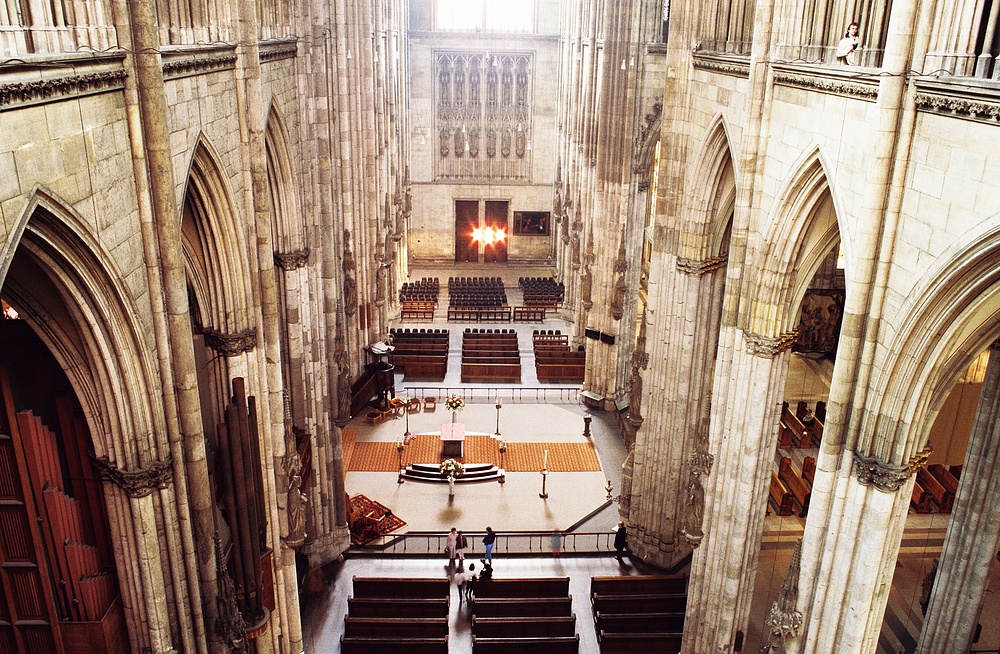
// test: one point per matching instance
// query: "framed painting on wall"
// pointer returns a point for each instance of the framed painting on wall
(531, 223)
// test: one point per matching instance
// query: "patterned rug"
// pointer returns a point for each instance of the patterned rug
(369, 520)
(520, 457)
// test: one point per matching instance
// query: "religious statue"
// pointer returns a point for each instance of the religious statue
(618, 298)
(344, 394)
(296, 512)
(586, 281)
(695, 511)
(350, 285)
(635, 398)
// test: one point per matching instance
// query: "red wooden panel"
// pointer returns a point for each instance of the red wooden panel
(9, 488)
(28, 598)
(15, 535)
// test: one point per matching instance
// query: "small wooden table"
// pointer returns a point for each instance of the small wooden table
(453, 439)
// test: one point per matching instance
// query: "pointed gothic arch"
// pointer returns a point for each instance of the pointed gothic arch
(286, 217)
(951, 317)
(714, 187)
(805, 227)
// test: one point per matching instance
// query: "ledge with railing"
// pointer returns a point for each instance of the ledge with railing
(489, 395)
(514, 543)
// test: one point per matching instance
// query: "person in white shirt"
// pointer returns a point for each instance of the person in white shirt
(464, 581)
(848, 46)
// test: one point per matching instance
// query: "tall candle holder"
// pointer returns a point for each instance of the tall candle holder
(503, 473)
(400, 445)
(499, 406)
(545, 476)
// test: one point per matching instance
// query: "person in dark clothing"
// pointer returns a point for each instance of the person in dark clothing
(487, 572)
(488, 541)
(621, 538)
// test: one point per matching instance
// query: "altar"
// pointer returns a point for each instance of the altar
(453, 440)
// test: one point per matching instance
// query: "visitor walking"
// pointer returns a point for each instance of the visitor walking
(621, 539)
(451, 546)
(461, 543)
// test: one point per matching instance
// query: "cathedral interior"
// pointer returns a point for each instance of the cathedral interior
(753, 245)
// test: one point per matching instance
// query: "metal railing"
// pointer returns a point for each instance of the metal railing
(485, 395)
(507, 543)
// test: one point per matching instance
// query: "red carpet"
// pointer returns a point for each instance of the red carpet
(369, 520)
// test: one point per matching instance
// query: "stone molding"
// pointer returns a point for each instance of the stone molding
(768, 347)
(136, 483)
(872, 471)
(20, 94)
(175, 67)
(725, 64)
(969, 100)
(697, 268)
(292, 260)
(277, 50)
(811, 82)
(231, 345)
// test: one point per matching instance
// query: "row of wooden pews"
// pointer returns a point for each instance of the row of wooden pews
(555, 361)
(639, 613)
(386, 615)
(803, 428)
(523, 616)
(422, 354)
(491, 357)
(789, 488)
(935, 488)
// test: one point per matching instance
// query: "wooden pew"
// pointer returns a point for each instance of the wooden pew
(809, 470)
(640, 603)
(661, 643)
(549, 339)
(420, 365)
(401, 587)
(350, 645)
(415, 310)
(541, 645)
(920, 499)
(356, 627)
(639, 622)
(525, 627)
(944, 477)
(785, 440)
(798, 488)
(525, 587)
(501, 607)
(491, 372)
(939, 493)
(529, 314)
(799, 431)
(780, 495)
(639, 584)
(382, 607)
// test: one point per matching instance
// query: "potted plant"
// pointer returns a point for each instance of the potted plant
(451, 468)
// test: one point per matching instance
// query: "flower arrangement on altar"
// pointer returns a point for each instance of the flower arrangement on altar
(451, 468)
(454, 403)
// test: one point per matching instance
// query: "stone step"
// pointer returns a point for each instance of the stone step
(432, 472)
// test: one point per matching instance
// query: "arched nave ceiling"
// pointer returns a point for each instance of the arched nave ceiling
(62, 283)
(787, 251)
(713, 195)
(948, 319)
(214, 243)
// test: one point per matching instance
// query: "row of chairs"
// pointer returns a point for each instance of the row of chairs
(477, 300)
(535, 332)
(407, 330)
(475, 282)
(425, 290)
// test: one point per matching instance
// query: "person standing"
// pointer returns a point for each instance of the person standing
(465, 581)
(848, 45)
(488, 541)
(621, 539)
(556, 543)
(451, 546)
(461, 543)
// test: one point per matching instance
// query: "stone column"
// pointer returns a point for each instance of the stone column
(973, 532)
(724, 567)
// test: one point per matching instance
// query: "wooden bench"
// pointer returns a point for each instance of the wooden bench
(350, 645)
(661, 643)
(799, 432)
(815, 425)
(799, 489)
(529, 314)
(809, 470)
(640, 584)
(944, 477)
(401, 587)
(785, 436)
(550, 339)
(543, 303)
(639, 622)
(491, 372)
(512, 607)
(539, 645)
(421, 366)
(560, 372)
(526, 627)
(783, 501)
(382, 607)
(416, 311)
(355, 627)
(524, 587)
(640, 603)
(939, 493)
(920, 499)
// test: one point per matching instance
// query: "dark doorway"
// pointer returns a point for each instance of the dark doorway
(466, 222)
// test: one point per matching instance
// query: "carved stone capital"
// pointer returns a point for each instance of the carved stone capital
(291, 260)
(872, 471)
(768, 347)
(50, 90)
(697, 268)
(640, 360)
(186, 66)
(231, 345)
(863, 91)
(136, 483)
(919, 459)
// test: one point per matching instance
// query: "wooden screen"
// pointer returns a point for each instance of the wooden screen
(496, 218)
(466, 221)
